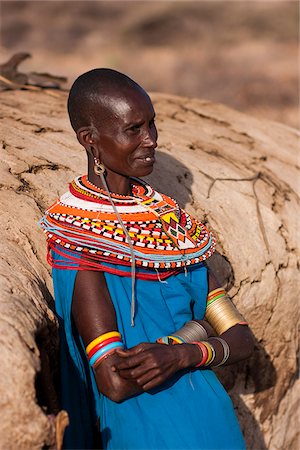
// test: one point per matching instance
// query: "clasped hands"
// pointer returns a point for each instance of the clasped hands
(149, 365)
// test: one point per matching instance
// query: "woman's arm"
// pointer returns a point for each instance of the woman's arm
(150, 365)
(94, 314)
(129, 372)
(147, 365)
(239, 337)
(236, 341)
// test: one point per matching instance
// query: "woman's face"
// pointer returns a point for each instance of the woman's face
(127, 135)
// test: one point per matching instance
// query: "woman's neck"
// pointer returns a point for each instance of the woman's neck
(118, 184)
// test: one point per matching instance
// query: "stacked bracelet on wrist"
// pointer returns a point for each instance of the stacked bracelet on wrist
(191, 331)
(170, 340)
(207, 351)
(226, 350)
(103, 346)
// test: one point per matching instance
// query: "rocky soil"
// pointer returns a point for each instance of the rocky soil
(238, 173)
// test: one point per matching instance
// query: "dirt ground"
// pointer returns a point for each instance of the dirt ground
(241, 53)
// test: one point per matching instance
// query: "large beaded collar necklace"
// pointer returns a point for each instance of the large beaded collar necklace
(83, 231)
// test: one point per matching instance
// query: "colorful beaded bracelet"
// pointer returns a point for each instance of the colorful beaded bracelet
(211, 353)
(215, 292)
(102, 338)
(170, 340)
(204, 353)
(103, 351)
(103, 357)
(103, 344)
(208, 353)
(215, 295)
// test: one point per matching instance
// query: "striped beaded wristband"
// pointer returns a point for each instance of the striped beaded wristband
(170, 340)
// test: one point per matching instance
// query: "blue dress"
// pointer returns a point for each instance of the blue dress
(190, 411)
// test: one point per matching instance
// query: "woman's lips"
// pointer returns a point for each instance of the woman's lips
(147, 160)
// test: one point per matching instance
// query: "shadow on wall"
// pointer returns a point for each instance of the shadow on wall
(253, 376)
(47, 340)
(168, 168)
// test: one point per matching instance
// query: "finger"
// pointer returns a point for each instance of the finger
(125, 373)
(125, 353)
(152, 384)
(136, 372)
(137, 349)
(129, 362)
(121, 352)
(130, 374)
(155, 381)
(150, 378)
(122, 366)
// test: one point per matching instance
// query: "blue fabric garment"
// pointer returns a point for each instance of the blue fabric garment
(190, 411)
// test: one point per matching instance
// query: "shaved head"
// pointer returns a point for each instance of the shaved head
(93, 93)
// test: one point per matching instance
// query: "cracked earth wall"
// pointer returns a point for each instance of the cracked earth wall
(237, 173)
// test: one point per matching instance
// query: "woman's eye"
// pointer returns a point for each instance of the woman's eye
(135, 128)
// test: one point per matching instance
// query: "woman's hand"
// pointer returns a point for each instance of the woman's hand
(152, 364)
(129, 372)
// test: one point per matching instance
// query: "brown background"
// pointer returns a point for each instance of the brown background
(241, 53)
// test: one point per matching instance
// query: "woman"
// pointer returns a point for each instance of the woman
(132, 290)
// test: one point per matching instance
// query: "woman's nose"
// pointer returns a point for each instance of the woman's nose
(150, 138)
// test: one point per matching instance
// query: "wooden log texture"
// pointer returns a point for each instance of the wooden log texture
(236, 172)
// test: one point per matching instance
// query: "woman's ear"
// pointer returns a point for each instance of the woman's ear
(86, 137)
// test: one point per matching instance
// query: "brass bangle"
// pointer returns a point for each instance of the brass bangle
(222, 315)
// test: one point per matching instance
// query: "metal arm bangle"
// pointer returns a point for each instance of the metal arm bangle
(222, 314)
(226, 350)
(192, 331)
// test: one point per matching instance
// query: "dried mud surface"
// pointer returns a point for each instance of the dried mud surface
(238, 173)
